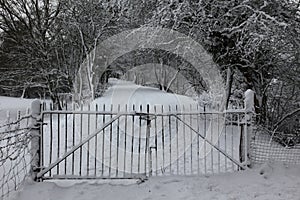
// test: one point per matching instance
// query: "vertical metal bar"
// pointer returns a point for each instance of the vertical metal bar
(191, 138)
(103, 142)
(88, 143)
(80, 150)
(211, 140)
(43, 105)
(156, 147)
(232, 142)
(110, 140)
(219, 134)
(146, 144)
(118, 143)
(125, 140)
(170, 140)
(66, 138)
(140, 132)
(184, 143)
(132, 142)
(239, 131)
(150, 161)
(147, 149)
(51, 138)
(58, 140)
(225, 138)
(96, 143)
(198, 141)
(42, 138)
(241, 144)
(177, 142)
(73, 139)
(204, 146)
(246, 138)
(163, 139)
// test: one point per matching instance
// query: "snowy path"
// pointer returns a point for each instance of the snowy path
(125, 92)
(277, 183)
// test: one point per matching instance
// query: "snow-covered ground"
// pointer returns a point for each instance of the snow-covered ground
(128, 93)
(13, 106)
(270, 182)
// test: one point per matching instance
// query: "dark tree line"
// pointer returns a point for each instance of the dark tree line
(255, 44)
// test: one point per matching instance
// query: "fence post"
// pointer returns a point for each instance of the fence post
(249, 100)
(35, 134)
(246, 129)
(8, 120)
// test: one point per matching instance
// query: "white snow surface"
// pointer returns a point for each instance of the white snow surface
(125, 92)
(13, 105)
(272, 181)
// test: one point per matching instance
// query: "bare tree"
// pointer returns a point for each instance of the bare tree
(241, 35)
(30, 32)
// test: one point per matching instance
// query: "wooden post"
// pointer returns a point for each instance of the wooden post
(249, 100)
(35, 133)
(246, 128)
(8, 120)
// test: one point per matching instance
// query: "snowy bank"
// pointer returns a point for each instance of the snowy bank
(271, 181)
(13, 105)
(127, 93)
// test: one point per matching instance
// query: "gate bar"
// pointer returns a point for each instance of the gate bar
(220, 150)
(43, 172)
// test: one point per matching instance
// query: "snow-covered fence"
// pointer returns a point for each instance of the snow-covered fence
(14, 151)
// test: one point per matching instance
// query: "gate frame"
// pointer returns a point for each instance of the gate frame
(37, 171)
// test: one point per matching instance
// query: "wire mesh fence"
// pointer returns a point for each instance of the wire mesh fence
(14, 153)
(266, 147)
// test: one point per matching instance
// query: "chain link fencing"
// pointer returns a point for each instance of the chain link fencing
(266, 146)
(14, 154)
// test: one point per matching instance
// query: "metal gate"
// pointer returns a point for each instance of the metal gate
(136, 142)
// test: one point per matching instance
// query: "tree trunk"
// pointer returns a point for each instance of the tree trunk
(229, 80)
